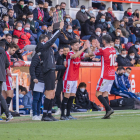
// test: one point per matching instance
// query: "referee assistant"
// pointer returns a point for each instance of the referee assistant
(48, 68)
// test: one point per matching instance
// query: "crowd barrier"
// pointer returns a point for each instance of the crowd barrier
(89, 73)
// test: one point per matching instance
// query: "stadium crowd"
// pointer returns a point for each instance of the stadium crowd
(24, 28)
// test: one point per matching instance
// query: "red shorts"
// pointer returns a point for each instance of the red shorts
(104, 85)
(8, 84)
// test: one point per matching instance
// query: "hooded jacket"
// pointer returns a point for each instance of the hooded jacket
(4, 64)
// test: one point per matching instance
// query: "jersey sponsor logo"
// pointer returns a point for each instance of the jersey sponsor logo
(76, 63)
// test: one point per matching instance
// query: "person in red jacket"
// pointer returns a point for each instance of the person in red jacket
(23, 36)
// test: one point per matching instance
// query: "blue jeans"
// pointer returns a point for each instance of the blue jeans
(119, 7)
(86, 37)
(37, 98)
(132, 38)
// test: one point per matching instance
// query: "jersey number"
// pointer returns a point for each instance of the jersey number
(112, 58)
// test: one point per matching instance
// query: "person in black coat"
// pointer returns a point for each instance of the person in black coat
(18, 8)
(44, 49)
(36, 76)
(88, 28)
(82, 98)
(10, 13)
(4, 64)
(134, 48)
(61, 61)
(97, 35)
(28, 8)
(102, 24)
(122, 60)
(130, 17)
(131, 56)
(136, 31)
(110, 14)
(100, 13)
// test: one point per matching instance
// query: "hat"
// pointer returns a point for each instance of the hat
(83, 7)
(101, 8)
(41, 2)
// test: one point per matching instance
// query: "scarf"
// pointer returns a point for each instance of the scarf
(40, 14)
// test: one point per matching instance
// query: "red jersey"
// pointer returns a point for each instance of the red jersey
(8, 56)
(72, 67)
(108, 56)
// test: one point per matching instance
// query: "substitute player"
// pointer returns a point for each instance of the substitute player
(71, 76)
(108, 55)
(7, 90)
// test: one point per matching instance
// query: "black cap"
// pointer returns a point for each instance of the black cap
(83, 7)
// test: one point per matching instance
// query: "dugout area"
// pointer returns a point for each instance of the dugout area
(123, 125)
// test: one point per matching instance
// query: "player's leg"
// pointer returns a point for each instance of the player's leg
(70, 100)
(9, 97)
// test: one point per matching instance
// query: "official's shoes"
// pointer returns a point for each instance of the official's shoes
(10, 117)
(108, 114)
(46, 119)
(53, 119)
(35, 118)
(71, 118)
(58, 111)
(64, 118)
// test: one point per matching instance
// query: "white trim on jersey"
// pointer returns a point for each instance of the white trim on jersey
(66, 75)
(102, 71)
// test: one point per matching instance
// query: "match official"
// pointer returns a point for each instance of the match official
(45, 51)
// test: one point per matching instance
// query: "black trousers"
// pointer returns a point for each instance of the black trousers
(3, 102)
(59, 89)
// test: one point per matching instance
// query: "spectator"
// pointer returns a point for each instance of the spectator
(4, 22)
(104, 32)
(6, 4)
(110, 14)
(136, 13)
(5, 31)
(57, 7)
(117, 46)
(97, 35)
(18, 8)
(58, 53)
(136, 30)
(108, 22)
(88, 28)
(130, 17)
(67, 36)
(28, 8)
(126, 32)
(98, 5)
(90, 12)
(102, 24)
(23, 36)
(33, 25)
(27, 100)
(82, 98)
(10, 13)
(7, 40)
(22, 18)
(39, 13)
(49, 2)
(63, 7)
(100, 13)
(82, 15)
(135, 48)
(117, 6)
(43, 30)
(33, 36)
(112, 44)
(122, 60)
(131, 57)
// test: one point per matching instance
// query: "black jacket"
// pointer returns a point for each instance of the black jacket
(130, 19)
(46, 53)
(136, 31)
(18, 10)
(88, 28)
(26, 10)
(130, 59)
(98, 16)
(60, 61)
(123, 61)
(112, 18)
(99, 38)
(132, 48)
(4, 64)
(102, 25)
(35, 70)
(11, 21)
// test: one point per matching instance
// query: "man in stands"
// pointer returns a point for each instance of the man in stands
(82, 15)
(28, 8)
(7, 89)
(119, 86)
(60, 61)
(7, 40)
(63, 7)
(10, 13)
(71, 76)
(110, 14)
(117, 46)
(105, 82)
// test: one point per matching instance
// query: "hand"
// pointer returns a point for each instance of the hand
(133, 61)
(97, 59)
(97, 44)
(65, 63)
(61, 24)
(8, 72)
(50, 13)
(21, 51)
(86, 45)
(35, 80)
(4, 36)
(108, 26)
(11, 28)
(77, 37)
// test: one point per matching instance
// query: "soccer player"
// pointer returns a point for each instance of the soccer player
(7, 90)
(108, 55)
(71, 76)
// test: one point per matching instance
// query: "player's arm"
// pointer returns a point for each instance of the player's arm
(81, 51)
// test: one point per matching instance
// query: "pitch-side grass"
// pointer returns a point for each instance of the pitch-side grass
(123, 125)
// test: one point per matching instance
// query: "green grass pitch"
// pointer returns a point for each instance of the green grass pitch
(123, 125)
